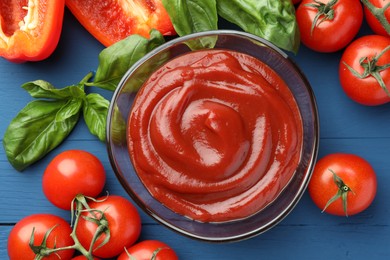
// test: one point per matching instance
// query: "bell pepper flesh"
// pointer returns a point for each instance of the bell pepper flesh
(30, 29)
(112, 20)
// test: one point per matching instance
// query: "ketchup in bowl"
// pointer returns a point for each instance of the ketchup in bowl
(215, 135)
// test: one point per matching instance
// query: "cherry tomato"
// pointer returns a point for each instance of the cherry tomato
(361, 70)
(81, 257)
(145, 250)
(124, 223)
(19, 237)
(343, 184)
(70, 173)
(372, 21)
(328, 25)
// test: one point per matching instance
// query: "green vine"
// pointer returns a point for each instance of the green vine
(96, 216)
(379, 14)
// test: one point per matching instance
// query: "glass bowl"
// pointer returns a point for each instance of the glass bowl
(120, 159)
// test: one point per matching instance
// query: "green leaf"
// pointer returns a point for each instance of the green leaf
(95, 114)
(38, 128)
(43, 89)
(272, 20)
(190, 16)
(114, 61)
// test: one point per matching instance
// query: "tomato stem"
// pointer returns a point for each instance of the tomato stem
(154, 254)
(98, 217)
(325, 10)
(371, 68)
(379, 13)
(342, 193)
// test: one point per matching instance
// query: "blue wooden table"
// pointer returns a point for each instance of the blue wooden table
(306, 233)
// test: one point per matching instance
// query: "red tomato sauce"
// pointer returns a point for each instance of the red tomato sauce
(215, 135)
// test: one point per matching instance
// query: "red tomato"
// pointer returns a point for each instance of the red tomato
(70, 173)
(112, 20)
(124, 224)
(333, 28)
(358, 57)
(30, 31)
(296, 1)
(144, 250)
(81, 257)
(357, 187)
(19, 237)
(372, 21)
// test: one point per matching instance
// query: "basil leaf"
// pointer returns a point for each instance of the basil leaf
(272, 20)
(189, 16)
(43, 89)
(115, 60)
(95, 114)
(38, 128)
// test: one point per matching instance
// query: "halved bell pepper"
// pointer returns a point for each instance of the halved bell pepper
(112, 20)
(30, 29)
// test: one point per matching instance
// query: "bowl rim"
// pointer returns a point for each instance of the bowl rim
(312, 158)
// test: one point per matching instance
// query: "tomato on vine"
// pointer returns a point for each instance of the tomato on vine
(121, 220)
(38, 225)
(81, 257)
(343, 184)
(149, 250)
(364, 70)
(70, 173)
(377, 14)
(329, 25)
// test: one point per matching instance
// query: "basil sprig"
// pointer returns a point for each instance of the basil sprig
(42, 124)
(45, 123)
(272, 20)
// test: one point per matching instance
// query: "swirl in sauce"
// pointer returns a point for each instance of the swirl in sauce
(215, 135)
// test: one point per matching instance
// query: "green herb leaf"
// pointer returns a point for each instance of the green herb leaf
(272, 20)
(43, 89)
(189, 16)
(95, 114)
(38, 128)
(114, 61)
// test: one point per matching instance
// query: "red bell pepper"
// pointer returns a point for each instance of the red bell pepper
(112, 20)
(30, 29)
